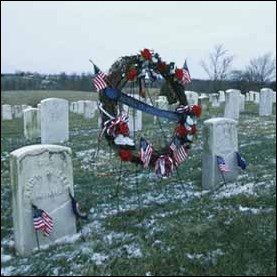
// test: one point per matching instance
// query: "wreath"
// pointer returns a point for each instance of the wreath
(134, 70)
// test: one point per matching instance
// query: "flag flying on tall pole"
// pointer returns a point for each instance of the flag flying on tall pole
(223, 167)
(179, 151)
(145, 153)
(186, 76)
(42, 221)
(99, 79)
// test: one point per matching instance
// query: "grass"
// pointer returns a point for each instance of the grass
(149, 227)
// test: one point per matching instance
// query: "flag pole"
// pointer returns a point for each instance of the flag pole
(36, 232)
(222, 176)
(37, 239)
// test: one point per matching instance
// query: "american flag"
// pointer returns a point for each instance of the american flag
(223, 167)
(42, 221)
(179, 151)
(99, 79)
(145, 152)
(186, 77)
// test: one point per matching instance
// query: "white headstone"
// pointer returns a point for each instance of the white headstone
(192, 97)
(17, 111)
(251, 95)
(203, 101)
(41, 175)
(232, 104)
(257, 97)
(242, 103)
(162, 102)
(274, 97)
(89, 109)
(6, 112)
(135, 117)
(73, 107)
(31, 123)
(220, 139)
(247, 96)
(54, 120)
(24, 107)
(221, 96)
(80, 106)
(265, 105)
(215, 100)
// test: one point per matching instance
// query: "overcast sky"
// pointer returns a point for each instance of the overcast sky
(51, 37)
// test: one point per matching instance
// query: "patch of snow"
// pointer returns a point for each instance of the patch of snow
(98, 258)
(5, 258)
(7, 271)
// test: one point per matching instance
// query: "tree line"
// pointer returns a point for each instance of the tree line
(259, 73)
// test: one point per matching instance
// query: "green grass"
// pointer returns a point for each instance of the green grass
(144, 226)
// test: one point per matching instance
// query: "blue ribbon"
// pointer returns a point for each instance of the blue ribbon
(117, 95)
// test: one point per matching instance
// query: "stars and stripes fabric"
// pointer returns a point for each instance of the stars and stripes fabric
(99, 79)
(241, 161)
(145, 153)
(186, 75)
(223, 167)
(42, 221)
(180, 153)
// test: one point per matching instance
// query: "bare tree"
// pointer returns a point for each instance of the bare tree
(262, 69)
(218, 65)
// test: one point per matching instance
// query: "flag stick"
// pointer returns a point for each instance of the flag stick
(223, 177)
(37, 239)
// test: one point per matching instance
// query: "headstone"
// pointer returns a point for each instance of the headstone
(73, 107)
(203, 101)
(31, 123)
(247, 96)
(251, 95)
(54, 120)
(242, 103)
(41, 175)
(24, 107)
(257, 97)
(89, 109)
(161, 102)
(17, 111)
(6, 112)
(80, 106)
(274, 97)
(265, 105)
(232, 104)
(192, 97)
(135, 117)
(215, 100)
(221, 96)
(220, 139)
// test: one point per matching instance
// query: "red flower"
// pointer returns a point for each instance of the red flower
(132, 74)
(181, 131)
(162, 66)
(125, 154)
(122, 129)
(193, 129)
(146, 54)
(196, 110)
(179, 73)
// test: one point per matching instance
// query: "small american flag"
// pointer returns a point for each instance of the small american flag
(146, 151)
(99, 79)
(179, 151)
(186, 77)
(42, 221)
(222, 165)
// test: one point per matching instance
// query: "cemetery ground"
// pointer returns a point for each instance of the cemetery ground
(140, 225)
